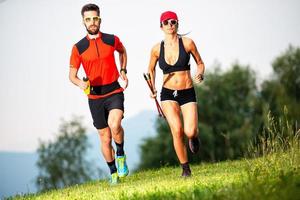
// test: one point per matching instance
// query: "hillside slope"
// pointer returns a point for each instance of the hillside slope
(271, 177)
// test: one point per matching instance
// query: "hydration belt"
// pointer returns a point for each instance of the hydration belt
(104, 89)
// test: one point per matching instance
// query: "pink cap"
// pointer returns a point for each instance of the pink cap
(168, 15)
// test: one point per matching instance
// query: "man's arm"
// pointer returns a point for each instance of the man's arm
(123, 65)
(75, 80)
(123, 58)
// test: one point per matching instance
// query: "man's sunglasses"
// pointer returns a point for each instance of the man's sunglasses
(172, 22)
(89, 19)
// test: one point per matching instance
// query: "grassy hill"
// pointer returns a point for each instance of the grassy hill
(275, 176)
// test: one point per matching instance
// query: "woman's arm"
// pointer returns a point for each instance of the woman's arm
(200, 64)
(152, 65)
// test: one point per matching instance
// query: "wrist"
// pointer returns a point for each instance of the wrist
(201, 76)
(123, 70)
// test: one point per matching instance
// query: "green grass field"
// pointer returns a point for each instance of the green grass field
(275, 176)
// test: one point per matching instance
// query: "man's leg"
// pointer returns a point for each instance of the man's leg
(108, 152)
(114, 122)
(106, 147)
(100, 118)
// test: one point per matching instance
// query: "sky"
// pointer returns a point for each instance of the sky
(37, 36)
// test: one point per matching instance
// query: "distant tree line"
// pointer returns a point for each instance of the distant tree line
(233, 111)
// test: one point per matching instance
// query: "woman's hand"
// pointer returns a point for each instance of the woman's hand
(154, 94)
(199, 77)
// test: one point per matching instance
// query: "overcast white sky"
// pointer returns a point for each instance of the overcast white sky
(36, 38)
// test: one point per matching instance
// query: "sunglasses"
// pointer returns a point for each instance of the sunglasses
(172, 22)
(89, 19)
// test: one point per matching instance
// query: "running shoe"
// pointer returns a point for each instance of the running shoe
(122, 166)
(114, 179)
(194, 145)
(186, 172)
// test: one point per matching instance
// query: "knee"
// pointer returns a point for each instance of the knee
(106, 141)
(177, 133)
(115, 127)
(191, 132)
(105, 138)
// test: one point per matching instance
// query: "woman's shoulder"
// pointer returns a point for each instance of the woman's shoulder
(156, 48)
(188, 43)
(187, 40)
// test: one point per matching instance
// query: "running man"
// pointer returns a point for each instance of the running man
(178, 94)
(95, 52)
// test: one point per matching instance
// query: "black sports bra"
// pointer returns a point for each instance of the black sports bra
(182, 64)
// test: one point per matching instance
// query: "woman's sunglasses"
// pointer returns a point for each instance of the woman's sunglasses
(89, 19)
(172, 22)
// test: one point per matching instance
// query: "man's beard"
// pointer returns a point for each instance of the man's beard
(93, 32)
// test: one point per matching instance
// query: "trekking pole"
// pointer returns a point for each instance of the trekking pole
(147, 78)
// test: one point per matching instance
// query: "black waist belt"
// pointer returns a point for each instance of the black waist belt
(104, 89)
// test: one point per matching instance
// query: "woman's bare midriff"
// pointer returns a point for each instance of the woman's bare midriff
(178, 80)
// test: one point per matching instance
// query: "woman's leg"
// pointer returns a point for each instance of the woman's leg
(171, 110)
(190, 120)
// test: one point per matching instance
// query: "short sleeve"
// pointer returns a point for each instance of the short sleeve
(118, 45)
(75, 59)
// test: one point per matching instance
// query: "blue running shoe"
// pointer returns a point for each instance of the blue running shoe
(114, 179)
(122, 166)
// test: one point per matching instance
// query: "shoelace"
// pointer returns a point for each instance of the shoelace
(114, 178)
(121, 163)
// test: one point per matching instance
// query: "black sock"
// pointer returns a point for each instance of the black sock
(185, 166)
(112, 166)
(120, 150)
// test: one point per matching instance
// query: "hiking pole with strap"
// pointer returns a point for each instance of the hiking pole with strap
(147, 78)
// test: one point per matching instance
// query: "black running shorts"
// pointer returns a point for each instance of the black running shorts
(180, 96)
(100, 108)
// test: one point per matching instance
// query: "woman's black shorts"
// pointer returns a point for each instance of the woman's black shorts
(100, 108)
(180, 96)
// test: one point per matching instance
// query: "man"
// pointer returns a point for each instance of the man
(95, 53)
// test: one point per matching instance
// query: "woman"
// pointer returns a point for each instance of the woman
(178, 94)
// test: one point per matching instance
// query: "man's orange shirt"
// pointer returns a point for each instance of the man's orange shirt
(98, 61)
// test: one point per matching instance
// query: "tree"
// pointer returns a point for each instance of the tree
(287, 70)
(283, 90)
(229, 113)
(62, 162)
(280, 97)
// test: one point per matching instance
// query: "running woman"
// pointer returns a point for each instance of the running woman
(177, 93)
(95, 52)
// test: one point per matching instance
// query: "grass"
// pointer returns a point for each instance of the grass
(273, 173)
(275, 176)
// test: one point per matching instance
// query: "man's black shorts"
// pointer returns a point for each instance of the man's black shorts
(100, 108)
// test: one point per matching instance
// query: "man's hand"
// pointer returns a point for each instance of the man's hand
(124, 78)
(83, 84)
